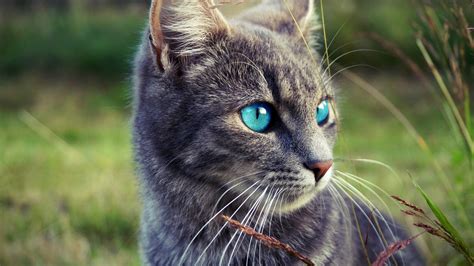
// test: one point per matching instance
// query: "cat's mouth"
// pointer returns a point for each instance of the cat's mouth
(285, 191)
(289, 193)
(304, 194)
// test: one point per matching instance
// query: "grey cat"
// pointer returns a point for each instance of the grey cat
(237, 118)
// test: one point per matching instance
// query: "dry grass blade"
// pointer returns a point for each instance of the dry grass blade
(433, 231)
(409, 205)
(267, 240)
(46, 133)
(392, 249)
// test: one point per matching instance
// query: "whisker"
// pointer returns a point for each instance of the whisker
(346, 54)
(262, 225)
(238, 178)
(225, 224)
(210, 220)
(334, 75)
(361, 182)
(372, 206)
(279, 192)
(244, 222)
(356, 219)
(364, 199)
(225, 192)
(241, 234)
(255, 224)
(370, 161)
(377, 212)
(342, 204)
(273, 212)
(332, 41)
(258, 219)
(341, 186)
(339, 48)
(281, 202)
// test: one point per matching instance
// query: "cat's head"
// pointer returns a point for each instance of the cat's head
(242, 104)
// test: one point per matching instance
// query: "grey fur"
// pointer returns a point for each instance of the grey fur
(190, 143)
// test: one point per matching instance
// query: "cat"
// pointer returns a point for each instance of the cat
(237, 117)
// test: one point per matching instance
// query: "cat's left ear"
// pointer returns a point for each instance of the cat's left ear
(181, 29)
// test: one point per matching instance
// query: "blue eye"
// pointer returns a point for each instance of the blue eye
(257, 116)
(322, 112)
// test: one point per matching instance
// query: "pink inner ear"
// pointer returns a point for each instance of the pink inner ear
(156, 35)
(157, 52)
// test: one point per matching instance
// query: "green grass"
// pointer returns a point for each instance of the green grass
(67, 186)
(98, 42)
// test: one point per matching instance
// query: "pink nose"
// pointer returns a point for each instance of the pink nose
(319, 168)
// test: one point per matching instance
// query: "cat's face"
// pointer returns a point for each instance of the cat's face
(251, 112)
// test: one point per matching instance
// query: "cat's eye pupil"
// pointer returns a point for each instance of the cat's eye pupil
(322, 112)
(257, 116)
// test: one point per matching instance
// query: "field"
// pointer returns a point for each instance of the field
(68, 190)
(68, 193)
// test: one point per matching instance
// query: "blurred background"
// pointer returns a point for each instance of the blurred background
(68, 193)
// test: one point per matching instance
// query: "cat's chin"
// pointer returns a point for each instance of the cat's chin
(303, 198)
(298, 202)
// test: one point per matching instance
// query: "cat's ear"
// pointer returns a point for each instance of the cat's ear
(295, 18)
(180, 29)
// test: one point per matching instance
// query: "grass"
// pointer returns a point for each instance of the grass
(67, 187)
(446, 43)
(98, 42)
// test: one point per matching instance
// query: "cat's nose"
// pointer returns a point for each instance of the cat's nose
(319, 168)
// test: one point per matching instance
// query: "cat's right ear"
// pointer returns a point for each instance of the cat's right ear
(181, 29)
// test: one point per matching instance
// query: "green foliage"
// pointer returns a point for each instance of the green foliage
(95, 43)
